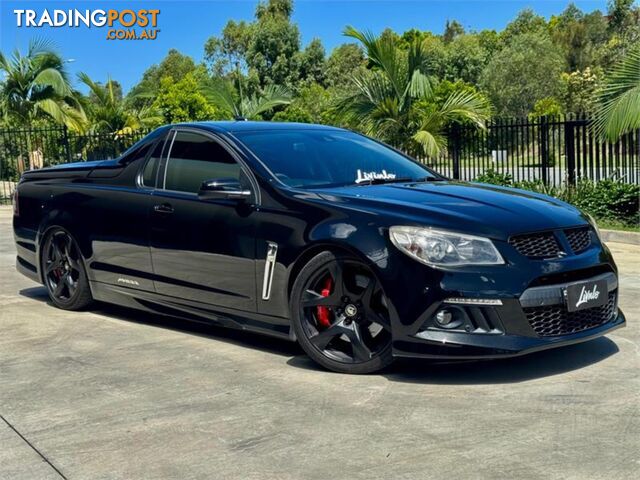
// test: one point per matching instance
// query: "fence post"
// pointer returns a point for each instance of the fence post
(65, 139)
(570, 150)
(544, 148)
(455, 150)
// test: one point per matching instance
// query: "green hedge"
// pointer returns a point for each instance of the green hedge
(609, 200)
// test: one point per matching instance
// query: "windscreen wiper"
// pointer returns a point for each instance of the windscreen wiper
(432, 179)
(380, 181)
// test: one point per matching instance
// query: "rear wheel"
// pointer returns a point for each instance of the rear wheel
(340, 315)
(63, 271)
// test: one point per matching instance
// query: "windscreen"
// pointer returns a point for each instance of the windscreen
(314, 158)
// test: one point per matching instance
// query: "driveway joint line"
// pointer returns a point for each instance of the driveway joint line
(33, 447)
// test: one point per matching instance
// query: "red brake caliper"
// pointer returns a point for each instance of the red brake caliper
(324, 313)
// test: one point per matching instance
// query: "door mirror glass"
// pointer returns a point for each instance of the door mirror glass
(223, 188)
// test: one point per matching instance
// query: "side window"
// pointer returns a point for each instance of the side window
(195, 158)
(137, 154)
(151, 168)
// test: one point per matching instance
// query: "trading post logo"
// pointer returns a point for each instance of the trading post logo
(123, 24)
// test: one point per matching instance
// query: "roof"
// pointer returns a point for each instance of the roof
(247, 126)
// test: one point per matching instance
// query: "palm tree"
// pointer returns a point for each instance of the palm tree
(233, 103)
(396, 101)
(619, 101)
(36, 85)
(109, 112)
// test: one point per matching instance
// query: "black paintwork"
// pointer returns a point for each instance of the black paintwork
(205, 260)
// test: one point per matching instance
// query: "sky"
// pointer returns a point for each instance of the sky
(186, 25)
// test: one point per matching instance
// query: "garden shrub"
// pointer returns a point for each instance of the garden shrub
(495, 178)
(607, 199)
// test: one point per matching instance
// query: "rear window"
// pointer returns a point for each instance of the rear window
(151, 167)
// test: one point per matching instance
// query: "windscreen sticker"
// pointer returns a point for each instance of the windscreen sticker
(368, 176)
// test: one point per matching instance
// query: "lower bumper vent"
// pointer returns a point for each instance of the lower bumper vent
(555, 320)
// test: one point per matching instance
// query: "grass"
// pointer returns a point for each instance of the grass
(608, 224)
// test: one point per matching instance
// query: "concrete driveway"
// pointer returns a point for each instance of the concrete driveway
(113, 394)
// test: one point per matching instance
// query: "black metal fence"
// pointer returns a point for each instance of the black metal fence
(551, 150)
(25, 149)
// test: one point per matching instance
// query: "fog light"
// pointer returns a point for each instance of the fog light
(444, 317)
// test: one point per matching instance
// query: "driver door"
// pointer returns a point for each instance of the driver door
(201, 250)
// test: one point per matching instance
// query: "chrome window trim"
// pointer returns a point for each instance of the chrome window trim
(221, 141)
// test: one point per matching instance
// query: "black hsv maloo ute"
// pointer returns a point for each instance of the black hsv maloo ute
(321, 236)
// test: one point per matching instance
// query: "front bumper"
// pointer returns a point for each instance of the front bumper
(468, 346)
(515, 327)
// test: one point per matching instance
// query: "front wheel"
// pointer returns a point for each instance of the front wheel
(63, 270)
(340, 315)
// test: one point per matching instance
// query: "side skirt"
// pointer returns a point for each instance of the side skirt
(189, 310)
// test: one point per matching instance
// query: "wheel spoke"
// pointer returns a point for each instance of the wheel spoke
(322, 339)
(314, 299)
(53, 252)
(59, 287)
(65, 248)
(74, 264)
(51, 266)
(376, 317)
(369, 292)
(57, 250)
(337, 274)
(71, 285)
(360, 350)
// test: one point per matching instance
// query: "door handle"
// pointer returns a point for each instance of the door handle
(163, 208)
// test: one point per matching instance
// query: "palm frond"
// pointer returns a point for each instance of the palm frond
(93, 86)
(619, 116)
(432, 143)
(466, 106)
(51, 77)
(272, 96)
(40, 45)
(53, 109)
(222, 95)
(373, 91)
(417, 59)
(383, 53)
(619, 102)
(421, 85)
(5, 65)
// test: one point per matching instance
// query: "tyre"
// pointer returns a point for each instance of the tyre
(340, 316)
(63, 271)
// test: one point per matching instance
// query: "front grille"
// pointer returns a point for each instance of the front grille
(554, 320)
(579, 238)
(536, 245)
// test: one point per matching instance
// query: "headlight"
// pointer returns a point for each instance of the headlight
(439, 248)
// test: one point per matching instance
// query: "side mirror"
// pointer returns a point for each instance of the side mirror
(223, 188)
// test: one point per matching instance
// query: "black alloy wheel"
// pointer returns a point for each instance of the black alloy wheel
(341, 315)
(63, 271)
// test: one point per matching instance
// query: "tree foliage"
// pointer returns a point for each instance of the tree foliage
(182, 101)
(579, 90)
(524, 71)
(313, 104)
(234, 104)
(107, 111)
(259, 68)
(396, 100)
(36, 86)
(344, 61)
